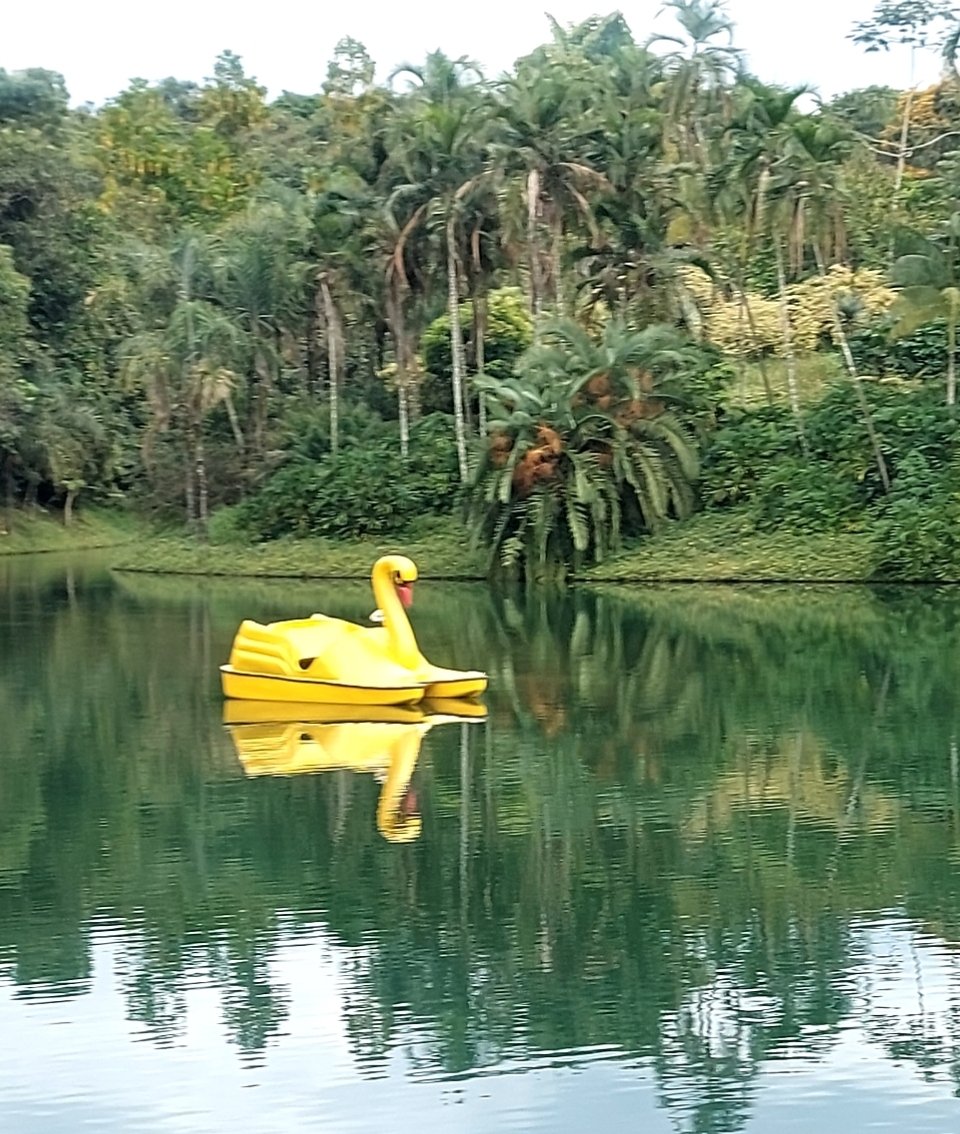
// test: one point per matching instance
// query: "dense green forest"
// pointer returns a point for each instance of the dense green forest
(626, 282)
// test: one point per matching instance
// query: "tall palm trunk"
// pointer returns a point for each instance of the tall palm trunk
(456, 350)
(9, 492)
(334, 360)
(400, 350)
(790, 357)
(755, 342)
(952, 318)
(68, 502)
(740, 264)
(556, 256)
(844, 344)
(200, 467)
(403, 415)
(479, 340)
(234, 425)
(261, 399)
(189, 485)
(533, 244)
(902, 152)
(189, 373)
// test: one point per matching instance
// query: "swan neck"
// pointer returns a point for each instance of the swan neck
(403, 644)
(390, 823)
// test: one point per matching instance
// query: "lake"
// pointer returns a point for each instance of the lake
(696, 870)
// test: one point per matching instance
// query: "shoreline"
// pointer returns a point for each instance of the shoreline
(711, 549)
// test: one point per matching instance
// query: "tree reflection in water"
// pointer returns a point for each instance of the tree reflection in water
(687, 831)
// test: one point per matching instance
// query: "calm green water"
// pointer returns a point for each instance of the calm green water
(698, 871)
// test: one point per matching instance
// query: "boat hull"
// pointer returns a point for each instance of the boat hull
(470, 685)
(239, 685)
(249, 712)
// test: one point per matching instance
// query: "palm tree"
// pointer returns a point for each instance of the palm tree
(698, 66)
(929, 283)
(339, 216)
(759, 137)
(186, 370)
(437, 144)
(78, 446)
(630, 222)
(810, 165)
(916, 25)
(544, 149)
(257, 266)
(396, 289)
(583, 444)
(481, 257)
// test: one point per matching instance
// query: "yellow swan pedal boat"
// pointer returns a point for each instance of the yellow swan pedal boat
(387, 745)
(333, 661)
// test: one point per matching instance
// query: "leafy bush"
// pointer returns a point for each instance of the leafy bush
(305, 432)
(509, 332)
(922, 354)
(804, 495)
(741, 451)
(918, 527)
(755, 459)
(367, 489)
(909, 422)
(227, 525)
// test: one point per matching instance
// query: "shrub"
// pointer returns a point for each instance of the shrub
(918, 526)
(804, 495)
(367, 489)
(755, 459)
(509, 332)
(742, 451)
(227, 525)
(920, 355)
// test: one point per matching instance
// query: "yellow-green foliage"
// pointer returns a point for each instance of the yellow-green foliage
(389, 375)
(810, 304)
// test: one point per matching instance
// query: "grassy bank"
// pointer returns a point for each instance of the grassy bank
(709, 548)
(35, 531)
(721, 547)
(440, 552)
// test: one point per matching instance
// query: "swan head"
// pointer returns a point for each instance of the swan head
(405, 824)
(402, 573)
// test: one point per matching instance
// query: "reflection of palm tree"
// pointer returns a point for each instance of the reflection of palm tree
(254, 1006)
(557, 897)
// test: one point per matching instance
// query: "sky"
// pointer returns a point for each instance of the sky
(100, 45)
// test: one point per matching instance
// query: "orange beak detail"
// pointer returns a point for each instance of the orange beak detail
(405, 591)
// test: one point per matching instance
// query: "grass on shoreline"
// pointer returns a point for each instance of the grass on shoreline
(710, 548)
(716, 547)
(35, 531)
(440, 552)
(722, 547)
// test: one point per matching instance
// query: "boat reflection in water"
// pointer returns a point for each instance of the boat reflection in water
(287, 739)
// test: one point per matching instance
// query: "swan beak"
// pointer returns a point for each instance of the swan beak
(405, 591)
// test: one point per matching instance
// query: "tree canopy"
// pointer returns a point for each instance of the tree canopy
(624, 188)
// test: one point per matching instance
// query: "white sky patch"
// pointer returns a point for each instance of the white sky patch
(100, 45)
